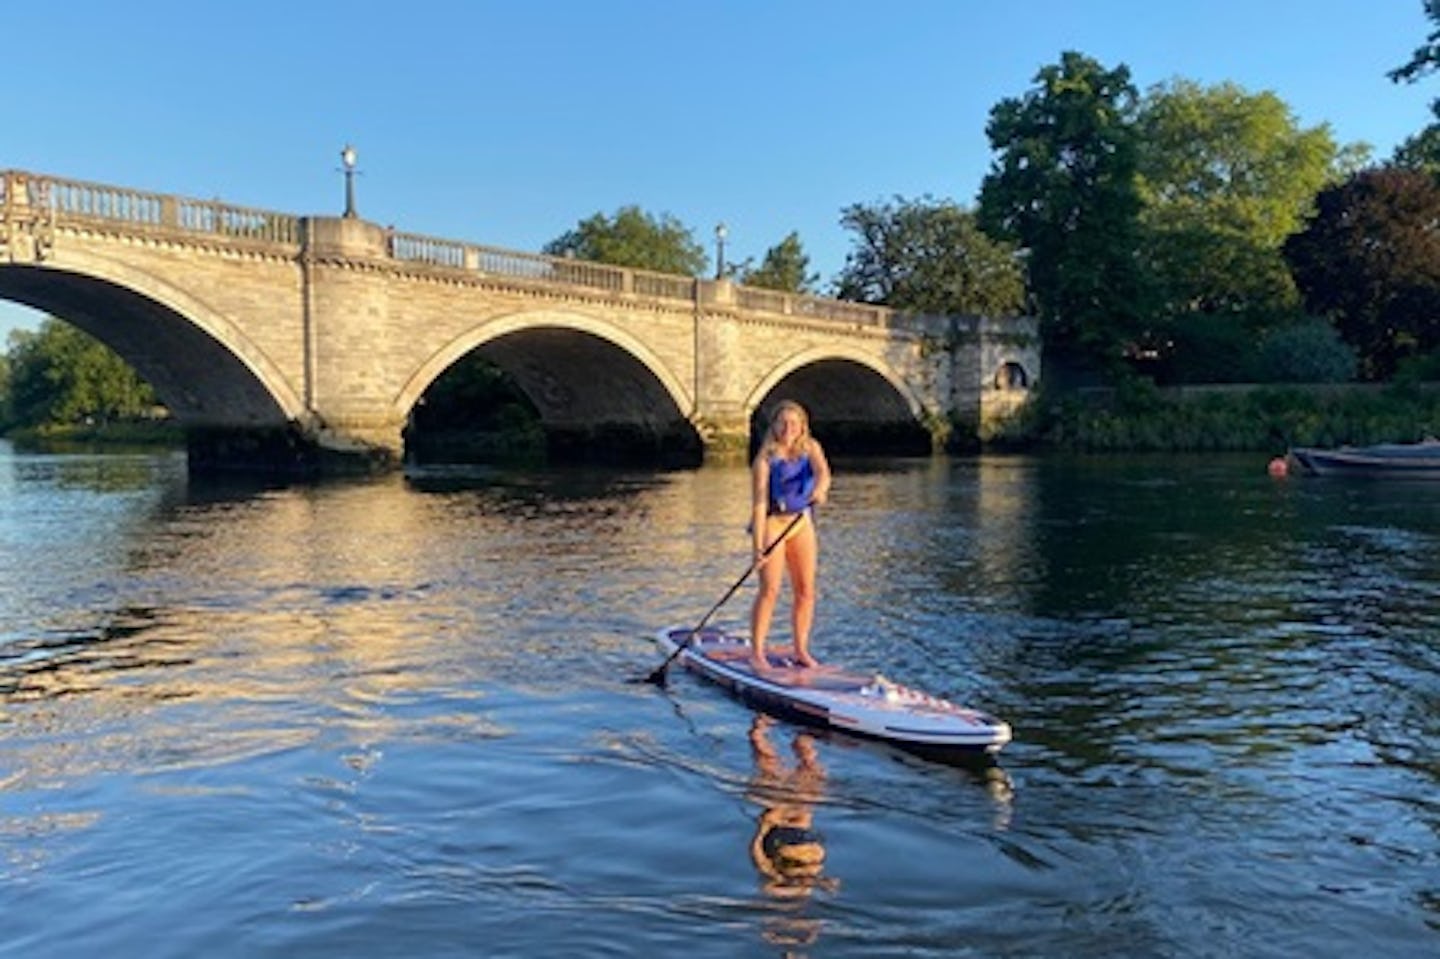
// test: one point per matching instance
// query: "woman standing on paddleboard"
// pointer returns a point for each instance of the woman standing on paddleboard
(790, 475)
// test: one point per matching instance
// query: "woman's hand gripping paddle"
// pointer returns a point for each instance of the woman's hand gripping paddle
(658, 676)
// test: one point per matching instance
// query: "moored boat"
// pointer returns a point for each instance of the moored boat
(1415, 460)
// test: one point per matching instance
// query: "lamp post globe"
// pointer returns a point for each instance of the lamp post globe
(721, 231)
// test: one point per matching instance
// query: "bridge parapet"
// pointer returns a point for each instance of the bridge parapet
(79, 201)
(60, 201)
(472, 258)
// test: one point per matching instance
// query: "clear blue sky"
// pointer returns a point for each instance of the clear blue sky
(506, 123)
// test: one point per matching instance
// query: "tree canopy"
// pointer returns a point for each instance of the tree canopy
(1369, 260)
(633, 238)
(1225, 176)
(931, 257)
(785, 267)
(1063, 187)
(61, 375)
(7, 415)
(1422, 151)
(1426, 58)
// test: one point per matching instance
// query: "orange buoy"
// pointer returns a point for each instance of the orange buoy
(1279, 467)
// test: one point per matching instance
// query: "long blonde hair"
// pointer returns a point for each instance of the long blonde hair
(770, 445)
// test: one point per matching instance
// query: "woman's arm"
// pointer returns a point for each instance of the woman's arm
(759, 502)
(821, 466)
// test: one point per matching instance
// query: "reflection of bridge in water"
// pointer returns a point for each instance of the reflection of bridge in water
(320, 334)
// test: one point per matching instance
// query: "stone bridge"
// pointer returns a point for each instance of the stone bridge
(321, 333)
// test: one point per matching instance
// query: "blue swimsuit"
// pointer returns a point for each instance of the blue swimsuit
(792, 483)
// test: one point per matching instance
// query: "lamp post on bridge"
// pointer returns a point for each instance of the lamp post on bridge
(720, 233)
(348, 157)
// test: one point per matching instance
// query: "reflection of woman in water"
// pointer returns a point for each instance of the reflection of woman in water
(787, 851)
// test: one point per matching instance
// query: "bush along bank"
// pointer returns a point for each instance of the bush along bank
(1139, 417)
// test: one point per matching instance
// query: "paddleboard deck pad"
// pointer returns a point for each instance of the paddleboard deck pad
(866, 705)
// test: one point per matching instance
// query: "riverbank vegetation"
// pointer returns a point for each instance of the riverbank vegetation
(1259, 418)
(61, 387)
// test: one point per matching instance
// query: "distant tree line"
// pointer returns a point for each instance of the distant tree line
(1184, 234)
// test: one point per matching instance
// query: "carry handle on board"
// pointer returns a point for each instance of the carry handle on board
(658, 676)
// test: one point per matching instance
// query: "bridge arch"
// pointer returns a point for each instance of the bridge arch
(201, 366)
(858, 401)
(600, 393)
(514, 323)
(832, 354)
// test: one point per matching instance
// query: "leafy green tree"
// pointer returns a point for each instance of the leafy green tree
(61, 375)
(1422, 151)
(785, 268)
(928, 256)
(474, 394)
(635, 239)
(1369, 260)
(1063, 187)
(1426, 58)
(1226, 176)
(7, 414)
(1309, 351)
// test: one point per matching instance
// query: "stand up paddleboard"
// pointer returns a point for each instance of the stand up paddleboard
(863, 705)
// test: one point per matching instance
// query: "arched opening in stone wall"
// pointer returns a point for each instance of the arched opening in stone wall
(182, 382)
(1011, 376)
(854, 411)
(199, 379)
(550, 394)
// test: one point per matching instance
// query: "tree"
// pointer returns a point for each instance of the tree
(7, 414)
(1369, 260)
(928, 257)
(785, 268)
(1426, 58)
(1309, 351)
(1422, 151)
(473, 394)
(1063, 188)
(1225, 177)
(635, 239)
(61, 375)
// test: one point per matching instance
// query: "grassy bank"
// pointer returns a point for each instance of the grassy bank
(1142, 418)
(51, 437)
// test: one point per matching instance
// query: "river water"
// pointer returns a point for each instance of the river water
(395, 717)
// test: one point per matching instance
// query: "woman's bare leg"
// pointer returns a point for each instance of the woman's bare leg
(763, 610)
(801, 559)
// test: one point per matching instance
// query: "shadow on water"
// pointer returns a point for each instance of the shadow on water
(522, 485)
(66, 663)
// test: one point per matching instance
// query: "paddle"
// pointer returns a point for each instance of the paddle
(658, 676)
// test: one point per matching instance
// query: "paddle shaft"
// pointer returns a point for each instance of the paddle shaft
(658, 676)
